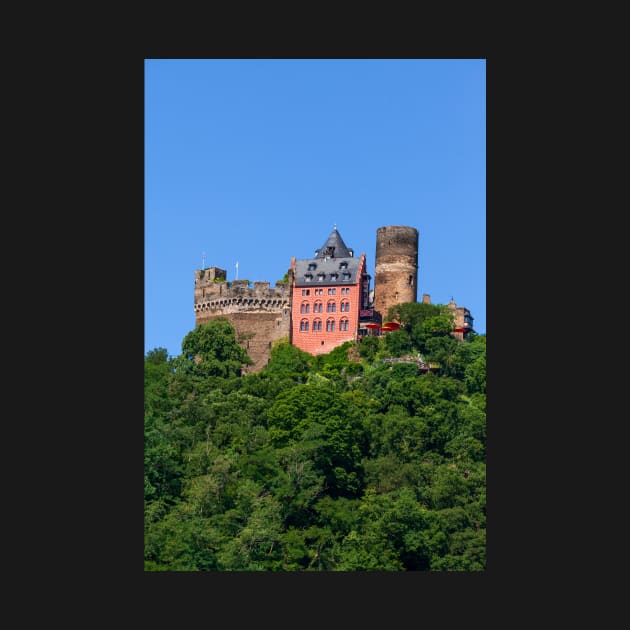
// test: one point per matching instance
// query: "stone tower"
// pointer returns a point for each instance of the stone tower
(396, 267)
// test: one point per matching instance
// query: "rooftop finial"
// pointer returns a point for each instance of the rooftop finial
(334, 226)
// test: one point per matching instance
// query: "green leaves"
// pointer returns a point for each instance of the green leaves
(211, 350)
(339, 462)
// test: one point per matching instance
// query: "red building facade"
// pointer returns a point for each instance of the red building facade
(328, 293)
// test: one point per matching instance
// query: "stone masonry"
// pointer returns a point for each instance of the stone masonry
(396, 267)
(259, 314)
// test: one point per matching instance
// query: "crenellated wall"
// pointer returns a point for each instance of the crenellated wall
(259, 313)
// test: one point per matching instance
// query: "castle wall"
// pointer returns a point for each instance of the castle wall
(396, 267)
(260, 314)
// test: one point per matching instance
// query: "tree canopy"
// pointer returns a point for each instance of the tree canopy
(341, 462)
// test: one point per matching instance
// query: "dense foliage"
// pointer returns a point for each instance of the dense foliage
(341, 462)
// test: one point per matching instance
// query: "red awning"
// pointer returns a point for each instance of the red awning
(372, 326)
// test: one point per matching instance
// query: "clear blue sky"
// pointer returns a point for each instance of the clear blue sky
(255, 160)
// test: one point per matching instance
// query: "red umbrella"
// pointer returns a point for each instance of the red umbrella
(391, 326)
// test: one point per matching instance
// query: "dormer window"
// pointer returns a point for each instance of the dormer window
(308, 277)
(343, 265)
(320, 277)
(333, 276)
(312, 266)
(346, 275)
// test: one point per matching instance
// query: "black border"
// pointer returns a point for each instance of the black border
(108, 367)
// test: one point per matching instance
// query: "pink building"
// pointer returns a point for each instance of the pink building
(328, 293)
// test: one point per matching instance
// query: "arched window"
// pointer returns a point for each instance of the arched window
(343, 324)
(330, 325)
(317, 307)
(304, 325)
(331, 307)
(304, 308)
(345, 306)
(317, 325)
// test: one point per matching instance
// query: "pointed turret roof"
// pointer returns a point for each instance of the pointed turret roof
(333, 247)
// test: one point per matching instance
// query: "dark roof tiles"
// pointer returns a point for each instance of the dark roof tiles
(334, 246)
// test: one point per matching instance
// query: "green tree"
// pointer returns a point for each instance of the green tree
(287, 361)
(211, 350)
(398, 343)
(368, 347)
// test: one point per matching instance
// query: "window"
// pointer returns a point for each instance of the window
(308, 277)
(346, 275)
(332, 291)
(317, 307)
(345, 290)
(410, 281)
(319, 291)
(317, 325)
(304, 325)
(331, 307)
(345, 307)
(312, 266)
(343, 265)
(304, 308)
(330, 325)
(306, 291)
(334, 276)
(320, 277)
(343, 324)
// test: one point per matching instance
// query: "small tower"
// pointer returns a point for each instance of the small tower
(396, 267)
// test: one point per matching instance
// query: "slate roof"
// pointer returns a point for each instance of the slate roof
(333, 265)
(334, 246)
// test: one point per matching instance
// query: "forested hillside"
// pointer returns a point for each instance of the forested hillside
(341, 462)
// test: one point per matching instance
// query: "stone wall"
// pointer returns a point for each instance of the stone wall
(260, 314)
(396, 267)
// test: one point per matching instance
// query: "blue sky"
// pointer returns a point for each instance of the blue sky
(255, 160)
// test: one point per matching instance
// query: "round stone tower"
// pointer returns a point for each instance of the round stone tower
(396, 267)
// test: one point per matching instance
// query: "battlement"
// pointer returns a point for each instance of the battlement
(211, 293)
(259, 313)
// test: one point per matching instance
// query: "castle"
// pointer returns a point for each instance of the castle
(325, 300)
